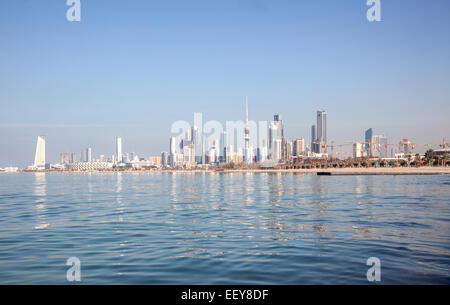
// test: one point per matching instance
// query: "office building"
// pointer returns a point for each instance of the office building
(119, 149)
(368, 139)
(321, 136)
(223, 146)
(298, 147)
(358, 150)
(89, 154)
(164, 158)
(277, 150)
(314, 141)
(73, 158)
(39, 157)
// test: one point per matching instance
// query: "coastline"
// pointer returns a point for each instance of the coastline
(321, 171)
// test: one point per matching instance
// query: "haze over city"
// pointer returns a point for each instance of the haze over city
(133, 70)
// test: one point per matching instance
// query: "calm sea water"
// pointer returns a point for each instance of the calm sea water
(223, 228)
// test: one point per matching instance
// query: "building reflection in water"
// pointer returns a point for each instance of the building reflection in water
(40, 193)
(119, 196)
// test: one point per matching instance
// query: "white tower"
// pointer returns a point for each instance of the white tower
(39, 157)
(247, 128)
(248, 151)
(119, 149)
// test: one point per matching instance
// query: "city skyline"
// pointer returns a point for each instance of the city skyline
(217, 148)
(82, 84)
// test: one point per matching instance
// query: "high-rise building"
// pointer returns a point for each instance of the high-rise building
(248, 151)
(288, 150)
(223, 146)
(322, 131)
(172, 152)
(379, 146)
(197, 142)
(89, 154)
(314, 141)
(164, 159)
(247, 128)
(262, 153)
(73, 158)
(357, 150)
(119, 149)
(229, 153)
(39, 157)
(277, 150)
(172, 147)
(368, 139)
(273, 136)
(299, 147)
(278, 121)
(406, 147)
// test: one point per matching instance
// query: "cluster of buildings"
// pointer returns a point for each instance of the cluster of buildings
(87, 163)
(377, 146)
(266, 147)
(196, 149)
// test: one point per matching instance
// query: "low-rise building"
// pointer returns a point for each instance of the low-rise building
(89, 166)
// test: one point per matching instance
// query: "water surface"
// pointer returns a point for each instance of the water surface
(212, 228)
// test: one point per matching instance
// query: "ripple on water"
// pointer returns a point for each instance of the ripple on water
(224, 229)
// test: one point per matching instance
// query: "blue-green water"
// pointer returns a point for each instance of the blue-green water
(224, 228)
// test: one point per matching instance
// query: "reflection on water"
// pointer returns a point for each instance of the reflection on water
(217, 228)
(40, 194)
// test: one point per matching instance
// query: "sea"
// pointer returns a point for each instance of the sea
(223, 228)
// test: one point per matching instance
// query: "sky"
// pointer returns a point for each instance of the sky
(132, 68)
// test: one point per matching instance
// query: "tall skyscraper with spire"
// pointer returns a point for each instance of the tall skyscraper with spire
(247, 128)
(248, 151)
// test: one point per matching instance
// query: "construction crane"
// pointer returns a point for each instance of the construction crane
(332, 146)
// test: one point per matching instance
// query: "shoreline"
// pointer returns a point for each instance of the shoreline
(321, 171)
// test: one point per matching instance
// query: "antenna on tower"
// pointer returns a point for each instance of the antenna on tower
(246, 110)
(247, 129)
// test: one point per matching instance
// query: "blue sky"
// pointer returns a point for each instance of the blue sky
(132, 68)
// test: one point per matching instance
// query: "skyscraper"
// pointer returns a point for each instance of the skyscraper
(119, 149)
(322, 131)
(197, 143)
(357, 150)
(73, 158)
(248, 151)
(247, 128)
(39, 157)
(368, 140)
(164, 159)
(277, 150)
(223, 146)
(299, 147)
(313, 139)
(89, 154)
(273, 136)
(172, 146)
(278, 121)
(379, 146)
